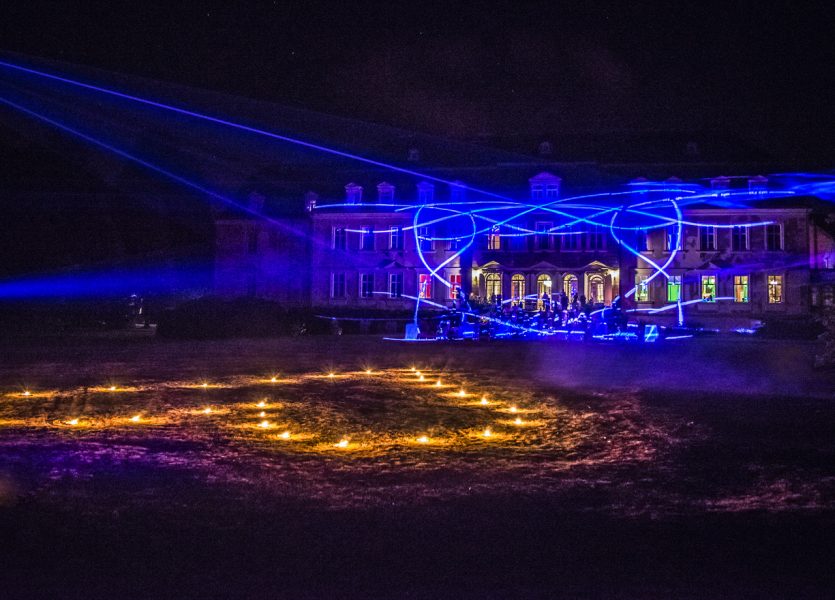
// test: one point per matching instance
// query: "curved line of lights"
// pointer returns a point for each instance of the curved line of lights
(569, 208)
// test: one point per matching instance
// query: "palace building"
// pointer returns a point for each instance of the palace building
(361, 251)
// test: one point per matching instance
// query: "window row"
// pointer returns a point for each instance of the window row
(547, 237)
(740, 238)
(709, 288)
(393, 282)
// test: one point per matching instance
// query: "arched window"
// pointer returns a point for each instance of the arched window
(517, 288)
(543, 286)
(595, 289)
(569, 286)
(493, 284)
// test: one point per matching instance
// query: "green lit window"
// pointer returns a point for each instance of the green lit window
(641, 288)
(740, 288)
(674, 288)
(709, 288)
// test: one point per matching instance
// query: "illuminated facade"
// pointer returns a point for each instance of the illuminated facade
(751, 263)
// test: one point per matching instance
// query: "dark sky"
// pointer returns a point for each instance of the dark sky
(763, 69)
(762, 72)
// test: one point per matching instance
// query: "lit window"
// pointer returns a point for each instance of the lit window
(674, 288)
(569, 285)
(774, 237)
(740, 288)
(396, 240)
(494, 238)
(707, 238)
(595, 289)
(395, 285)
(454, 286)
(739, 239)
(641, 288)
(543, 289)
(425, 239)
(775, 289)
(367, 285)
(543, 238)
(367, 239)
(340, 238)
(709, 288)
(493, 284)
(517, 288)
(424, 285)
(337, 285)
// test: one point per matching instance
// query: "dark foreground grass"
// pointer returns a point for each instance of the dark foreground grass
(635, 481)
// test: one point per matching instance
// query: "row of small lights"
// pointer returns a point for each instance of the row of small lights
(462, 393)
(342, 443)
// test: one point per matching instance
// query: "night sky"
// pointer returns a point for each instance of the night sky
(760, 73)
(760, 70)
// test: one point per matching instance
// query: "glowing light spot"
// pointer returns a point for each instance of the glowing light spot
(262, 404)
(273, 379)
(411, 368)
(72, 422)
(204, 385)
(423, 440)
(262, 414)
(462, 393)
(518, 421)
(487, 432)
(421, 378)
(513, 409)
(285, 435)
(112, 388)
(438, 383)
(207, 410)
(368, 371)
(331, 375)
(343, 443)
(27, 393)
(484, 401)
(264, 424)
(135, 418)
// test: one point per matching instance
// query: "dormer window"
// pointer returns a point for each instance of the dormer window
(426, 192)
(545, 148)
(720, 183)
(545, 186)
(413, 155)
(353, 194)
(385, 193)
(310, 200)
(758, 185)
(457, 191)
